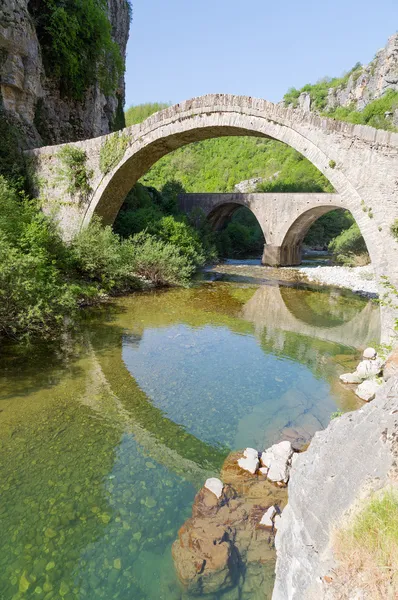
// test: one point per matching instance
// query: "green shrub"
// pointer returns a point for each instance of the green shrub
(160, 262)
(183, 237)
(12, 163)
(394, 229)
(43, 281)
(137, 114)
(76, 43)
(112, 151)
(373, 114)
(33, 297)
(100, 256)
(347, 245)
(73, 170)
(328, 227)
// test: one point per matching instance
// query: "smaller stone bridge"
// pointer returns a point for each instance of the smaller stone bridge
(284, 218)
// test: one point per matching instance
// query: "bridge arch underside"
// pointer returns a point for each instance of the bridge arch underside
(289, 252)
(220, 215)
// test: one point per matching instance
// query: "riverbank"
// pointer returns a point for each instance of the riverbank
(361, 280)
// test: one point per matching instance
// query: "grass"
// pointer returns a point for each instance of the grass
(367, 550)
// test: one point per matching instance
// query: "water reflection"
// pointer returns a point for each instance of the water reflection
(104, 445)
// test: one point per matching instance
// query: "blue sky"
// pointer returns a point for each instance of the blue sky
(179, 49)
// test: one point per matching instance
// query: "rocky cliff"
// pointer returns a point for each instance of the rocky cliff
(354, 456)
(32, 98)
(370, 81)
(365, 83)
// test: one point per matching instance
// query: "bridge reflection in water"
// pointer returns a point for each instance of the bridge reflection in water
(286, 321)
(102, 454)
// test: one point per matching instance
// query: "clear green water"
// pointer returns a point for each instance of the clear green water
(105, 441)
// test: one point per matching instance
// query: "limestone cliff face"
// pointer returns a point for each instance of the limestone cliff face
(371, 82)
(34, 100)
(365, 84)
(355, 455)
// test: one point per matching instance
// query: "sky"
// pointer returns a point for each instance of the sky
(179, 49)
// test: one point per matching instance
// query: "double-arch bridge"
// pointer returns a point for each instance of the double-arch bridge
(284, 218)
(360, 162)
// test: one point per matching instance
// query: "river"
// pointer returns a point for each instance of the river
(106, 438)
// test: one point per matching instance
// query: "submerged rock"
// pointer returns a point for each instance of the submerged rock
(223, 539)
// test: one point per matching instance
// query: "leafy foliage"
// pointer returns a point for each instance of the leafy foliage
(12, 164)
(374, 113)
(43, 281)
(218, 165)
(328, 227)
(146, 209)
(76, 43)
(349, 244)
(319, 91)
(160, 262)
(137, 114)
(394, 229)
(73, 170)
(112, 151)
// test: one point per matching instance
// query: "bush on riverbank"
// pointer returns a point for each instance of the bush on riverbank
(43, 281)
(349, 248)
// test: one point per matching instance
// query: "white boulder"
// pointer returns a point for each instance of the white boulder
(367, 389)
(214, 485)
(278, 460)
(369, 368)
(369, 353)
(250, 464)
(267, 518)
(263, 471)
(250, 453)
(350, 378)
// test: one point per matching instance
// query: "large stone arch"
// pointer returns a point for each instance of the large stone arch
(360, 162)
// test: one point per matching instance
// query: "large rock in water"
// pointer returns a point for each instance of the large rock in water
(355, 455)
(223, 546)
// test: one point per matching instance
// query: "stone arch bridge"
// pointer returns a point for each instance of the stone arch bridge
(283, 218)
(360, 162)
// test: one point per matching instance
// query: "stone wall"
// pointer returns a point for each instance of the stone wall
(33, 99)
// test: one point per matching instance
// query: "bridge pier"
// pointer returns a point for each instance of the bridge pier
(281, 256)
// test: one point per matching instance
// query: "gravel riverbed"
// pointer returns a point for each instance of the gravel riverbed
(358, 279)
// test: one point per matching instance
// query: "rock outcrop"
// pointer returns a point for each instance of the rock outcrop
(354, 456)
(33, 99)
(369, 82)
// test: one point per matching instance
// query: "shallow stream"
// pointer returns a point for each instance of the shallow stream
(105, 441)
